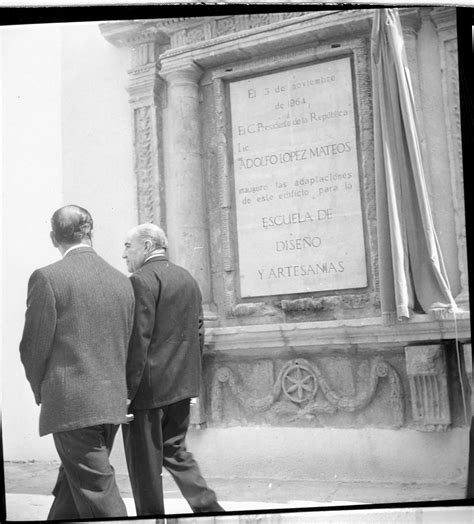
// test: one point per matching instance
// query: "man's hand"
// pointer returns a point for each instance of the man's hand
(129, 416)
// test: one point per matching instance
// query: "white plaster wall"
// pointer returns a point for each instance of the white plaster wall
(97, 136)
(32, 189)
(66, 139)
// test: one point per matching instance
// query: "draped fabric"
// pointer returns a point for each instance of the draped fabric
(412, 275)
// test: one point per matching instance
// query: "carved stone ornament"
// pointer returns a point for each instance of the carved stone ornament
(427, 375)
(144, 163)
(183, 31)
(295, 392)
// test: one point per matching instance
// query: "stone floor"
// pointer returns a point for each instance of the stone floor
(28, 486)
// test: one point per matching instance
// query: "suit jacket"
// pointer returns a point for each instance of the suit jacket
(164, 358)
(74, 347)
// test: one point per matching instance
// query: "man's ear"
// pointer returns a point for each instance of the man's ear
(53, 239)
(148, 245)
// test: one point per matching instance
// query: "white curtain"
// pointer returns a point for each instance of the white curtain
(412, 275)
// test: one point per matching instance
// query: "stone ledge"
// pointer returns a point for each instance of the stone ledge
(419, 328)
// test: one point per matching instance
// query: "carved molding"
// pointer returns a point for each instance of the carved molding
(295, 392)
(445, 19)
(355, 301)
(288, 31)
(224, 193)
(359, 50)
(427, 375)
(324, 334)
(147, 100)
(145, 160)
(185, 31)
(181, 74)
(146, 52)
(133, 33)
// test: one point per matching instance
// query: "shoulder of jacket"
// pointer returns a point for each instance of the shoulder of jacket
(145, 273)
(111, 268)
(46, 271)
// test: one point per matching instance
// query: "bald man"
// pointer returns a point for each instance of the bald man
(163, 374)
(78, 324)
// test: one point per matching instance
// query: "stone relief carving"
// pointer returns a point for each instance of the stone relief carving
(260, 19)
(143, 163)
(248, 309)
(218, 26)
(355, 301)
(427, 375)
(285, 16)
(146, 53)
(196, 34)
(227, 25)
(294, 394)
(147, 98)
(179, 38)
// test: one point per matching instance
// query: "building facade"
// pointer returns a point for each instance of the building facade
(250, 139)
(253, 148)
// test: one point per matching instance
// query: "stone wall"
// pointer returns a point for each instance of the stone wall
(319, 360)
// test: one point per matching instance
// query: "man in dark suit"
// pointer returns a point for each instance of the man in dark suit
(77, 328)
(163, 374)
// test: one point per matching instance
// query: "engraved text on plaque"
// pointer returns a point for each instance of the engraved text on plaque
(298, 204)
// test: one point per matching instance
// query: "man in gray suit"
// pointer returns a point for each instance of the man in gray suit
(74, 348)
(163, 374)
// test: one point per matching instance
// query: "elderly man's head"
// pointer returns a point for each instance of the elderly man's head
(141, 241)
(71, 225)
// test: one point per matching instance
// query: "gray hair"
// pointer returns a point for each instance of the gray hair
(153, 233)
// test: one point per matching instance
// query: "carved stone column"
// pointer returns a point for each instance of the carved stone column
(147, 98)
(427, 375)
(444, 19)
(185, 197)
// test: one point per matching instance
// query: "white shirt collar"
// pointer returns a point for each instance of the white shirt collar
(156, 253)
(75, 247)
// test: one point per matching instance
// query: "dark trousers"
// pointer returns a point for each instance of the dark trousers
(154, 439)
(86, 486)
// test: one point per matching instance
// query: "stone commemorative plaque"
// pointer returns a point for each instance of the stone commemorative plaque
(297, 193)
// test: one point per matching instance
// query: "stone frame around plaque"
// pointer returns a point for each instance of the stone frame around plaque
(232, 153)
(364, 300)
